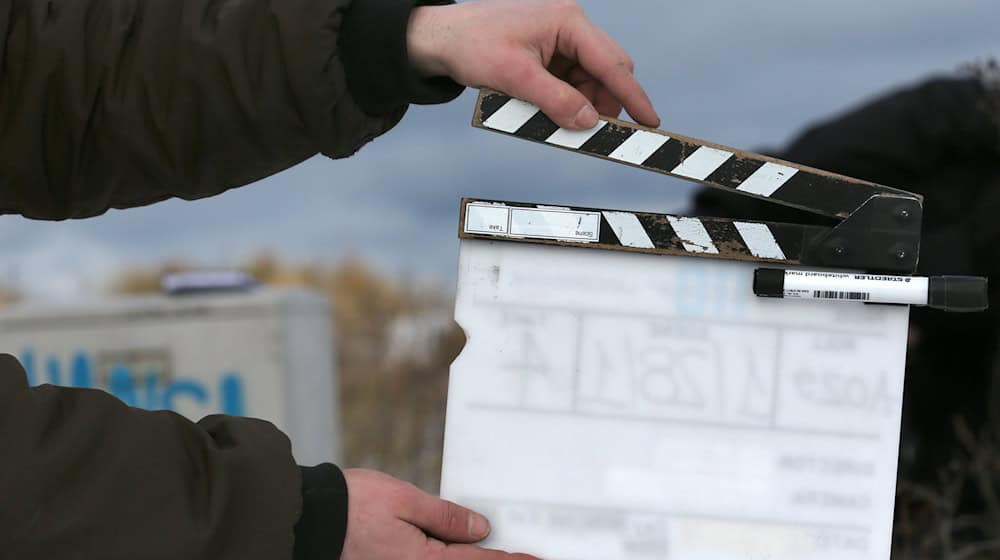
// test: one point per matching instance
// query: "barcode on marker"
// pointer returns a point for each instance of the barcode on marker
(854, 296)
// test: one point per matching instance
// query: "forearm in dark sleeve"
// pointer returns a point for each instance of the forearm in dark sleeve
(84, 476)
(322, 528)
(117, 103)
(379, 73)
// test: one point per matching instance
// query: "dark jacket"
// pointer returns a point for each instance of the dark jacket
(118, 103)
(940, 139)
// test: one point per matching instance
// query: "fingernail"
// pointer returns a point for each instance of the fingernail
(479, 527)
(586, 118)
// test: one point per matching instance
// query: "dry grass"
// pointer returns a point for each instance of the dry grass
(958, 518)
(8, 295)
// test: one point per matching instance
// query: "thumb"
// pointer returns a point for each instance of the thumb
(445, 520)
(561, 102)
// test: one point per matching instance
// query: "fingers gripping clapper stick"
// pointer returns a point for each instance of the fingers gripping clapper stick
(879, 229)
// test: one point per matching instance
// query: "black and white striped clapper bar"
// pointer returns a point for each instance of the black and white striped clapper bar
(878, 230)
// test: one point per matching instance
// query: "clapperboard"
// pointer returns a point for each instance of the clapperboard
(624, 394)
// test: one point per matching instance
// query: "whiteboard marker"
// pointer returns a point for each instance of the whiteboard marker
(949, 293)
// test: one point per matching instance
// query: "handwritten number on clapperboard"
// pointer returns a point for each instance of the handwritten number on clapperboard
(667, 377)
(612, 379)
(867, 392)
(528, 361)
(756, 399)
(657, 375)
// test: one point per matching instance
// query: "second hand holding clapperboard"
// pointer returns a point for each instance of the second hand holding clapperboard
(622, 404)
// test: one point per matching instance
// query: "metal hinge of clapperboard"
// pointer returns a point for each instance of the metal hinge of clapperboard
(877, 238)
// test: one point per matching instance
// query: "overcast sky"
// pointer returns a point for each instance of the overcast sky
(747, 74)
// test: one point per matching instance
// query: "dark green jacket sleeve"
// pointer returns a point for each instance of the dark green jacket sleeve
(118, 103)
(84, 476)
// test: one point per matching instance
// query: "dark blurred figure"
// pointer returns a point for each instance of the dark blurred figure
(940, 139)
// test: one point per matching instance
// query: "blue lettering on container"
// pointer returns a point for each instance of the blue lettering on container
(141, 389)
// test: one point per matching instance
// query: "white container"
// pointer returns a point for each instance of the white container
(264, 353)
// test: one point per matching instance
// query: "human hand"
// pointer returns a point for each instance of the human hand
(543, 51)
(391, 520)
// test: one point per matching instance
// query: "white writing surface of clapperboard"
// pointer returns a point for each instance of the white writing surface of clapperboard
(635, 400)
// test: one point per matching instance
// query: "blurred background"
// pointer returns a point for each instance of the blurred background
(377, 232)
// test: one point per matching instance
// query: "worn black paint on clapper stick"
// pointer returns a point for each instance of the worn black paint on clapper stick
(660, 151)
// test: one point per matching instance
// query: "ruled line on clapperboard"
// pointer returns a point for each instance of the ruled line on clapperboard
(712, 321)
(663, 420)
(679, 514)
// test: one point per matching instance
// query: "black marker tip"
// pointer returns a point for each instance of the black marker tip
(966, 294)
(769, 282)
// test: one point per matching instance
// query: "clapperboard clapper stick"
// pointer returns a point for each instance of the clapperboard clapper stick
(878, 233)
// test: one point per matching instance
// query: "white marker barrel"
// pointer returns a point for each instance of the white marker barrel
(950, 293)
